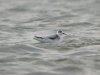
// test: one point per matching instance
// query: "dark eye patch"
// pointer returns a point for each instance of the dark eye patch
(59, 31)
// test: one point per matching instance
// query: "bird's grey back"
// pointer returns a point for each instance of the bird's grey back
(53, 37)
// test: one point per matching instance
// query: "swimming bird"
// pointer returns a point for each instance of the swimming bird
(58, 37)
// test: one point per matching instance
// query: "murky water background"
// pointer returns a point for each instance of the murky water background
(78, 54)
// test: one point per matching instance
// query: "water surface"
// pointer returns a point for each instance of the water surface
(78, 54)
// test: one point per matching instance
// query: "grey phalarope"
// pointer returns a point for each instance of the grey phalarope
(58, 37)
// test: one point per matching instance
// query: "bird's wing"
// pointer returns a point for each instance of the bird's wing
(38, 37)
(53, 37)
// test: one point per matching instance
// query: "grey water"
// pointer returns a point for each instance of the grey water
(78, 54)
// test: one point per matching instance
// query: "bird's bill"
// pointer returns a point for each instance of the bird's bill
(64, 33)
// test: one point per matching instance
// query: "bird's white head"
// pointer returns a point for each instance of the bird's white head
(60, 32)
